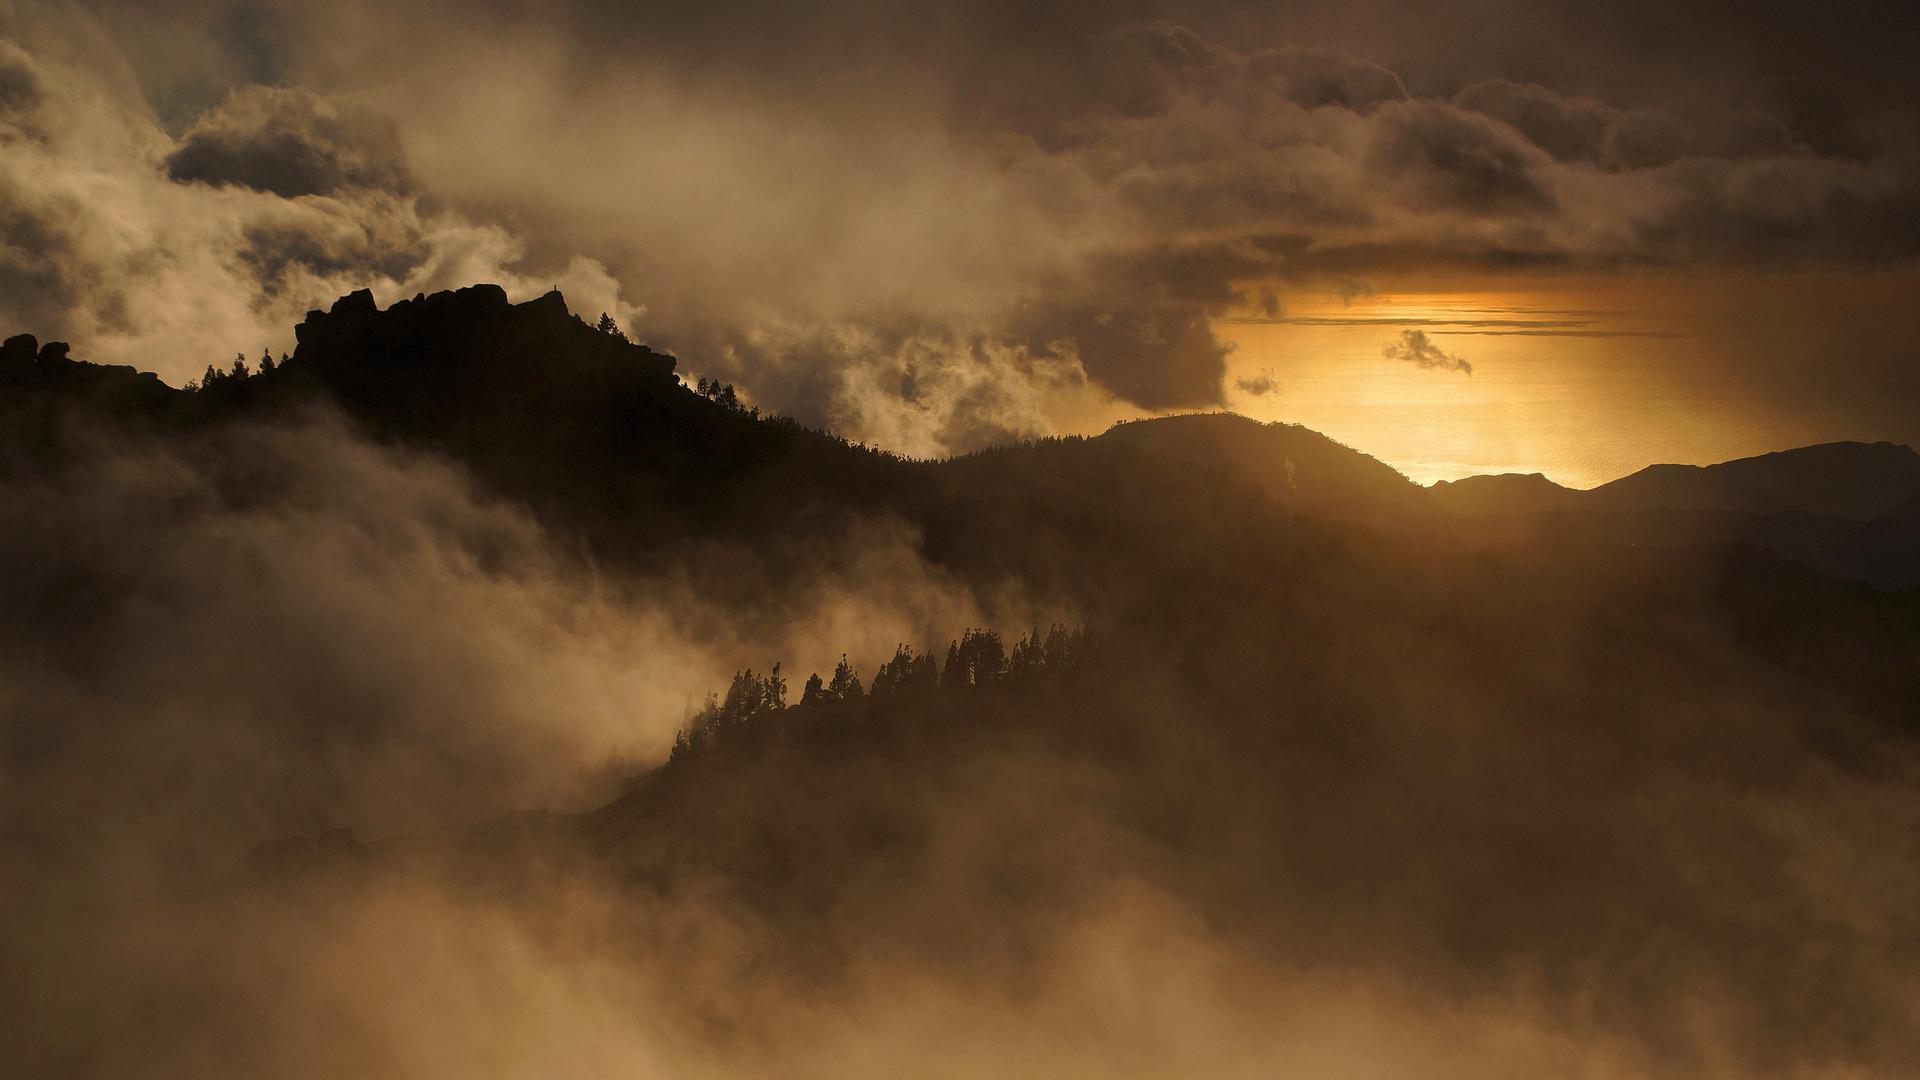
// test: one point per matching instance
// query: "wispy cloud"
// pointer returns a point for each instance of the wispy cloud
(1415, 347)
(1257, 385)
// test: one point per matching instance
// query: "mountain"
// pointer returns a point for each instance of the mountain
(1225, 696)
(1505, 493)
(601, 441)
(1860, 481)
(1845, 508)
(599, 438)
(1289, 464)
(1854, 480)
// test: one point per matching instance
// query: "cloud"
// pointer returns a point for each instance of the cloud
(287, 628)
(1570, 129)
(1050, 186)
(1351, 289)
(19, 85)
(169, 254)
(281, 629)
(1414, 347)
(932, 230)
(1446, 159)
(1319, 76)
(1257, 385)
(291, 143)
(919, 389)
(1579, 129)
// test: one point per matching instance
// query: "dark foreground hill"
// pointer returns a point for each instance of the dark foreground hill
(1315, 768)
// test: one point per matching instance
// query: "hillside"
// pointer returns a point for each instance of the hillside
(392, 659)
(1838, 508)
(1861, 481)
(1858, 481)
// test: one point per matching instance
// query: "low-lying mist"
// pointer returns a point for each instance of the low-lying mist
(1340, 807)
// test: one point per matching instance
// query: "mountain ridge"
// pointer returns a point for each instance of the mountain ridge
(594, 432)
(436, 331)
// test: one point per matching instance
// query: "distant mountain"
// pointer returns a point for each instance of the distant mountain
(1504, 493)
(1293, 465)
(1848, 509)
(1843, 479)
(1862, 481)
(599, 437)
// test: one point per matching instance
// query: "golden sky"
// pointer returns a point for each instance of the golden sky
(1020, 219)
(1584, 379)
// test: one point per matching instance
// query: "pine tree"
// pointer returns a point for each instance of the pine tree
(706, 722)
(1059, 647)
(775, 695)
(892, 676)
(607, 326)
(1028, 657)
(925, 675)
(979, 657)
(846, 684)
(742, 699)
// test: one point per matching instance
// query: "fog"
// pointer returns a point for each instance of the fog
(283, 628)
(288, 629)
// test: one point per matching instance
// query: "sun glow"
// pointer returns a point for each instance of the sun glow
(1584, 380)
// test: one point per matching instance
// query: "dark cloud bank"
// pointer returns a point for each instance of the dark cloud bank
(929, 231)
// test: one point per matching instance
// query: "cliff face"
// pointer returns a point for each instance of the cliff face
(27, 366)
(436, 363)
(417, 357)
(473, 331)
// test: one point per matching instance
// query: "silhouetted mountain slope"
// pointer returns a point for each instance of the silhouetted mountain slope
(1904, 514)
(1293, 466)
(1846, 479)
(1836, 507)
(26, 365)
(43, 391)
(1862, 481)
(598, 437)
(1884, 552)
(1506, 493)
(593, 432)
(600, 440)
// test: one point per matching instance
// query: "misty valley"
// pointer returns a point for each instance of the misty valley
(464, 694)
